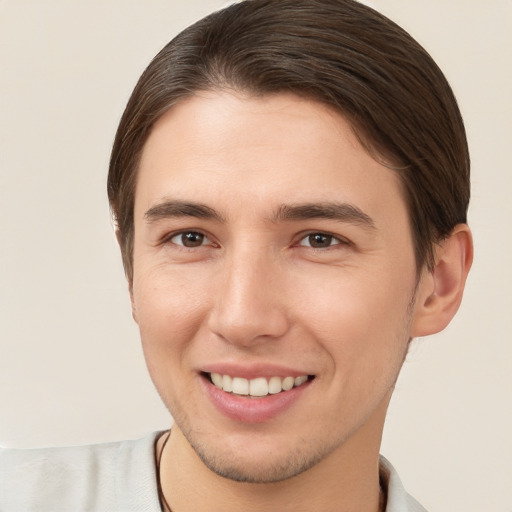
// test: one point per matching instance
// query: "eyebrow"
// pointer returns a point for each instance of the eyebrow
(175, 208)
(343, 212)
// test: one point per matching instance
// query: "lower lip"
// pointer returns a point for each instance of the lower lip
(253, 410)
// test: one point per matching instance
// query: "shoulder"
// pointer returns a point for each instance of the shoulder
(108, 476)
(398, 500)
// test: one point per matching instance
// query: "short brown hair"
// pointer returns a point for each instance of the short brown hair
(338, 52)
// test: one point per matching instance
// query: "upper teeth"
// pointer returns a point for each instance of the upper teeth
(256, 387)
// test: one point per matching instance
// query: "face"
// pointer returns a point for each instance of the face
(274, 281)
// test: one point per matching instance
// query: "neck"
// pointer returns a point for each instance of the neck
(347, 480)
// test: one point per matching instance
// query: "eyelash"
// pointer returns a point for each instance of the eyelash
(330, 236)
(303, 237)
(182, 234)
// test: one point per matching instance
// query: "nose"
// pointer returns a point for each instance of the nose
(250, 303)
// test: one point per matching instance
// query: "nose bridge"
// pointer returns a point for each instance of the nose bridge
(248, 306)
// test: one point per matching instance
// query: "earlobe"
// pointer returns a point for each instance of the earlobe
(440, 290)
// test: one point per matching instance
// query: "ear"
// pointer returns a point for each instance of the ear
(130, 282)
(440, 290)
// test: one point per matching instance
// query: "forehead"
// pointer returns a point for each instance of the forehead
(258, 151)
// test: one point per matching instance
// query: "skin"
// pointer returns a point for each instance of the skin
(260, 288)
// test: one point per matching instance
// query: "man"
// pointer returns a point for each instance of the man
(290, 182)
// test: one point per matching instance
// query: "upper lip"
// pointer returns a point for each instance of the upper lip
(253, 371)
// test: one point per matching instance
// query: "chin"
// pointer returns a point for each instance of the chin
(258, 472)
(259, 465)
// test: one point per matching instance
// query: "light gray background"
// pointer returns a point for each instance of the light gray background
(71, 368)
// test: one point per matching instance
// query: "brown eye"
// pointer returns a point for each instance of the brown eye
(189, 239)
(320, 241)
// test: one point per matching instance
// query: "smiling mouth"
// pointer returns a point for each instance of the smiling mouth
(258, 387)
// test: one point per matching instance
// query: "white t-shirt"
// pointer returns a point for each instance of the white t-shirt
(110, 477)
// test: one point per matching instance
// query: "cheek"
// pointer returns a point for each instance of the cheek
(361, 319)
(170, 312)
(169, 309)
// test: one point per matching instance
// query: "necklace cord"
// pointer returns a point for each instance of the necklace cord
(163, 502)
